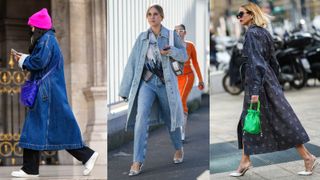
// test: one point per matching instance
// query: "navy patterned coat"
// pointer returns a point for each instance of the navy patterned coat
(281, 128)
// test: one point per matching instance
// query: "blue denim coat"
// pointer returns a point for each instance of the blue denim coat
(50, 123)
(133, 76)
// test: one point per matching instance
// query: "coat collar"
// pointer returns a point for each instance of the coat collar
(164, 32)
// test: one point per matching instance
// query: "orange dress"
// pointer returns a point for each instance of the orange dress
(185, 81)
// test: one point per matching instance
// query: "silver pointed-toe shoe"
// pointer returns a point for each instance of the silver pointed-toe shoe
(308, 173)
(179, 160)
(238, 174)
(135, 172)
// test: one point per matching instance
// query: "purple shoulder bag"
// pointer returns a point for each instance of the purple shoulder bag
(29, 90)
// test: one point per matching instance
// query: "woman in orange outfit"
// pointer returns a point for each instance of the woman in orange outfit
(185, 81)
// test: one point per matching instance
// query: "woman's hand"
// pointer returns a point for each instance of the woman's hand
(165, 51)
(254, 98)
(16, 57)
(201, 86)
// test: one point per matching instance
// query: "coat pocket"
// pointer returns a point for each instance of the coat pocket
(43, 91)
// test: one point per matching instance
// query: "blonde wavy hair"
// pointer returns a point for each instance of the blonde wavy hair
(259, 18)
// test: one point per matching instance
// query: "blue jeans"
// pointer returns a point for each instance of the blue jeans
(148, 92)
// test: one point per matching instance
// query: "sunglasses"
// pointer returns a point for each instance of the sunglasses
(241, 14)
(180, 30)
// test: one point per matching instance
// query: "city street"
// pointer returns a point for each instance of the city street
(158, 164)
(225, 111)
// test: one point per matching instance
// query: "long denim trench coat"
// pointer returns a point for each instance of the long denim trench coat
(50, 123)
(133, 76)
(281, 128)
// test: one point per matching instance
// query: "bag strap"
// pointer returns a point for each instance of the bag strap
(258, 108)
(171, 38)
(48, 73)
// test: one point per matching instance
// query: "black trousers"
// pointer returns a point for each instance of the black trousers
(31, 158)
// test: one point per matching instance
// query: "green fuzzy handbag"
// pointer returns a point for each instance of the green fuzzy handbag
(252, 124)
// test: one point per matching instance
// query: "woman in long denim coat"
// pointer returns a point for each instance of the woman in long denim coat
(150, 85)
(280, 127)
(50, 123)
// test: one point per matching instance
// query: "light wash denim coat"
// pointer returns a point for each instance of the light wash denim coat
(133, 76)
(50, 123)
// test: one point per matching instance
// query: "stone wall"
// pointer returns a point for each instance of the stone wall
(81, 30)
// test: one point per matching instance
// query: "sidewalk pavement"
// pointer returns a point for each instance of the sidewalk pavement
(225, 156)
(159, 164)
(55, 172)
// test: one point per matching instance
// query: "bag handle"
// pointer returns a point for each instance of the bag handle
(171, 38)
(258, 108)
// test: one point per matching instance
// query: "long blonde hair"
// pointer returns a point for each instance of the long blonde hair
(259, 18)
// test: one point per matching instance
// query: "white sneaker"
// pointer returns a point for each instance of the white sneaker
(90, 164)
(22, 174)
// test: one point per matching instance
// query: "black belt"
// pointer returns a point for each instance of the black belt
(147, 75)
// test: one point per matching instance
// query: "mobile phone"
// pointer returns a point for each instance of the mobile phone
(166, 48)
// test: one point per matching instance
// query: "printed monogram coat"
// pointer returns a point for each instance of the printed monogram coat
(281, 128)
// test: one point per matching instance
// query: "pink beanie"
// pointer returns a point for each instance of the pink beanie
(41, 20)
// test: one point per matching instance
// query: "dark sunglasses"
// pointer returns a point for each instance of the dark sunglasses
(241, 14)
(180, 30)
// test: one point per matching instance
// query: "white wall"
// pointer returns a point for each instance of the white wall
(126, 19)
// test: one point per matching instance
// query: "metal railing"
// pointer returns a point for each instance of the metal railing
(12, 115)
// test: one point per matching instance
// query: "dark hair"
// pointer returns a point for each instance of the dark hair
(183, 26)
(158, 8)
(36, 35)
